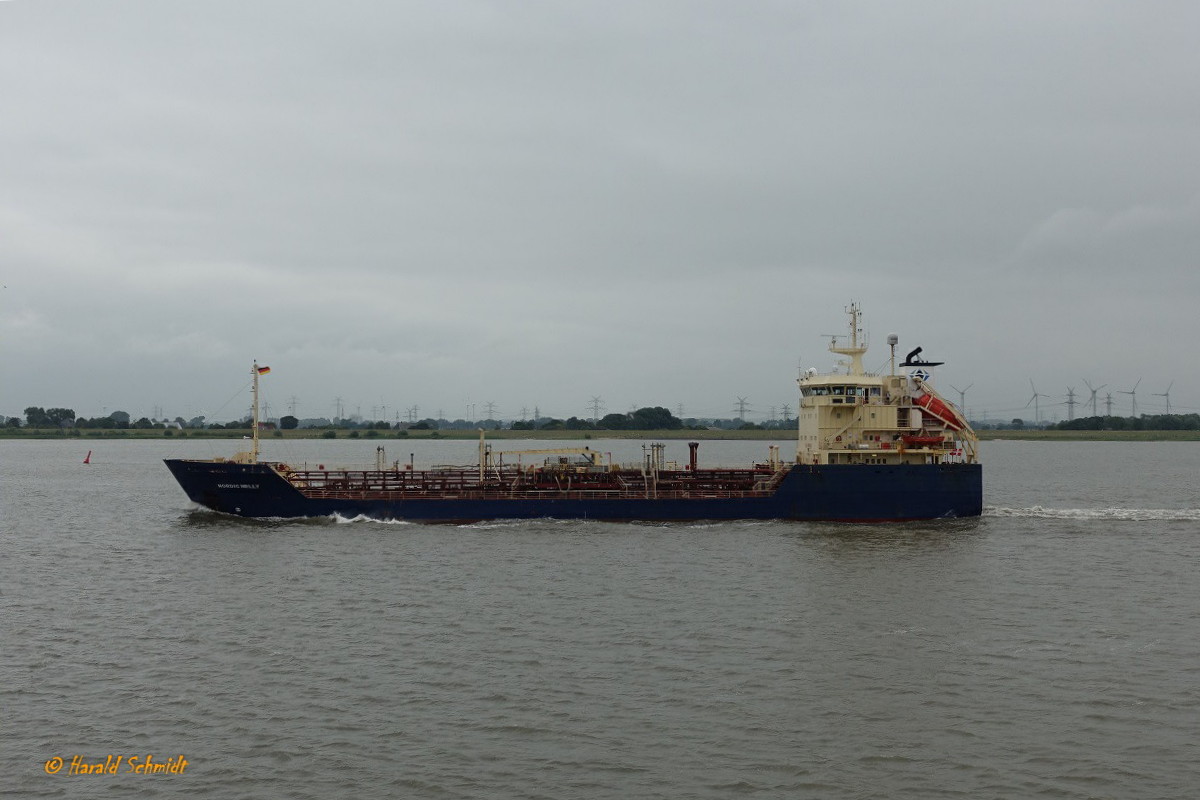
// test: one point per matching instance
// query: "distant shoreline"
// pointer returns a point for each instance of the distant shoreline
(389, 435)
(703, 435)
(1090, 436)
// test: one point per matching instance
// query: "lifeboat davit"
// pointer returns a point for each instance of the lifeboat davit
(940, 409)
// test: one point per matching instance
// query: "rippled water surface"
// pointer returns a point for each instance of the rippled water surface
(1049, 649)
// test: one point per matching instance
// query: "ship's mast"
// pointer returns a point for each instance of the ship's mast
(857, 346)
(483, 457)
(254, 415)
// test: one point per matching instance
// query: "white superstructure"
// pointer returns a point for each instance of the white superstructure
(855, 417)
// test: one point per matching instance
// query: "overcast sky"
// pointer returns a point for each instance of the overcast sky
(445, 204)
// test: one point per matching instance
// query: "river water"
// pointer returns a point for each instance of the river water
(1050, 648)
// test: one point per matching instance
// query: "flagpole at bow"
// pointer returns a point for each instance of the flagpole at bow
(255, 371)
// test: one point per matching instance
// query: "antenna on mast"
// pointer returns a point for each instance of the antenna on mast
(858, 342)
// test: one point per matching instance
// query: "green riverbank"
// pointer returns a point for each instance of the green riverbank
(703, 435)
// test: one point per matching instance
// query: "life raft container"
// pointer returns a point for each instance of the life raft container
(935, 405)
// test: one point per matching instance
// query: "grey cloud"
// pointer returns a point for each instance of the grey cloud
(669, 201)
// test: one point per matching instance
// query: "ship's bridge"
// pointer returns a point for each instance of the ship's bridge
(841, 389)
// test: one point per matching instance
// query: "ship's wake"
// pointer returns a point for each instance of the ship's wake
(343, 520)
(1120, 514)
(1032, 512)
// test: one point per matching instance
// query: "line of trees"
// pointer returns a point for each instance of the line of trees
(642, 419)
(1146, 422)
(47, 418)
(63, 418)
(650, 418)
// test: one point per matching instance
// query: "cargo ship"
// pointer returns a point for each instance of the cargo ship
(870, 448)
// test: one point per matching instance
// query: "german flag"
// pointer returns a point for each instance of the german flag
(263, 370)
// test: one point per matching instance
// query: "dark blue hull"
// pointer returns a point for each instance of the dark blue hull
(848, 493)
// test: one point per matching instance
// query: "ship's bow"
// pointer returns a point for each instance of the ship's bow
(248, 490)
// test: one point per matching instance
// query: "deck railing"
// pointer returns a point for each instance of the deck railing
(535, 494)
(465, 484)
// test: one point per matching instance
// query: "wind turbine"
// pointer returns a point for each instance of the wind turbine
(962, 396)
(1166, 394)
(1132, 395)
(1094, 390)
(1037, 415)
(1071, 402)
